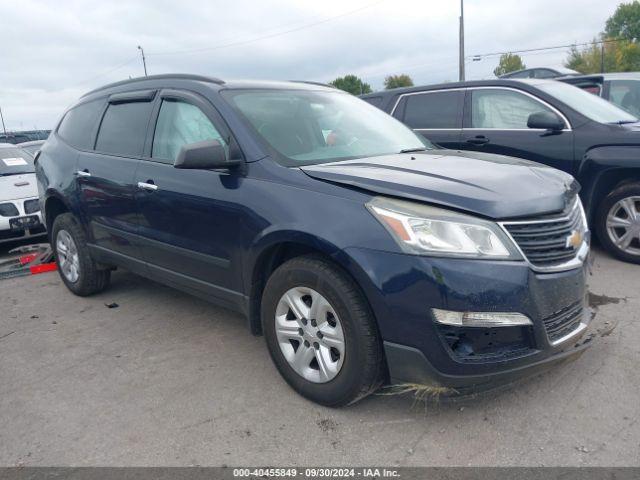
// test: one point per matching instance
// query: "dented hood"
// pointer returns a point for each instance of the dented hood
(493, 186)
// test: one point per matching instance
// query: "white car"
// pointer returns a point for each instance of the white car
(19, 206)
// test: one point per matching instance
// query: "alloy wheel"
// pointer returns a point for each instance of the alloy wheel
(68, 259)
(310, 334)
(623, 225)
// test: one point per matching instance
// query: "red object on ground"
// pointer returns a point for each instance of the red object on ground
(24, 259)
(45, 267)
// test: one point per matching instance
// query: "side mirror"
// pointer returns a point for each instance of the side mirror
(205, 155)
(545, 121)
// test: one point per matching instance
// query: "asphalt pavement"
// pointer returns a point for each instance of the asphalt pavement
(162, 378)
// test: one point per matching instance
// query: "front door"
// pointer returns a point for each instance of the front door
(190, 220)
(496, 122)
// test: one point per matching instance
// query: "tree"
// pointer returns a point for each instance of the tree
(509, 62)
(589, 59)
(614, 50)
(351, 84)
(625, 22)
(397, 81)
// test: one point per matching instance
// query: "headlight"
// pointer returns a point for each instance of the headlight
(425, 230)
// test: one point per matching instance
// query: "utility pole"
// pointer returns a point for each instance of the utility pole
(602, 57)
(461, 67)
(144, 60)
(4, 129)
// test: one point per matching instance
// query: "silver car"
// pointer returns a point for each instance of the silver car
(19, 207)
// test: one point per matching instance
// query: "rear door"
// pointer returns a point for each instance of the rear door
(436, 115)
(190, 220)
(495, 121)
(105, 175)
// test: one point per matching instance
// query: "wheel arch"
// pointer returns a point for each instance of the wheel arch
(604, 169)
(54, 205)
(279, 247)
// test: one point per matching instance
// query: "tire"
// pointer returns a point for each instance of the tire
(359, 366)
(611, 206)
(89, 278)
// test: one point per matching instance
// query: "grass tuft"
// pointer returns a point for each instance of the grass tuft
(421, 393)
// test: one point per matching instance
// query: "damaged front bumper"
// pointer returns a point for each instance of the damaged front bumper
(404, 290)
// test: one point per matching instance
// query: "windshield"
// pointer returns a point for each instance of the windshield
(589, 105)
(310, 127)
(14, 161)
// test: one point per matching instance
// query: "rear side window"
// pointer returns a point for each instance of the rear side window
(180, 123)
(434, 110)
(77, 125)
(123, 128)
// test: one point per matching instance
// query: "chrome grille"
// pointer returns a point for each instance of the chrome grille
(544, 240)
(562, 323)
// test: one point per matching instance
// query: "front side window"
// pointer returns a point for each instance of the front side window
(626, 94)
(180, 123)
(77, 125)
(305, 127)
(503, 109)
(434, 110)
(123, 128)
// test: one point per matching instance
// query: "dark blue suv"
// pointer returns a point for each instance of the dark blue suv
(362, 253)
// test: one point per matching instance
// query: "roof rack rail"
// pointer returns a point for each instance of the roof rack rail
(177, 76)
(310, 82)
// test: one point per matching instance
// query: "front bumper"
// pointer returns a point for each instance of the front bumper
(403, 289)
(7, 234)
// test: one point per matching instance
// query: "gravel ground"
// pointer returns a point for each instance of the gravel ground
(166, 379)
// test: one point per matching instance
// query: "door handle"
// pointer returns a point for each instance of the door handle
(479, 140)
(83, 173)
(149, 187)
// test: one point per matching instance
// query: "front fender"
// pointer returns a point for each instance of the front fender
(603, 168)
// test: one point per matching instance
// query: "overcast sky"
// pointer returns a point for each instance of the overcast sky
(53, 51)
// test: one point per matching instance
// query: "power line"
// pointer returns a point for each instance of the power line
(593, 42)
(266, 37)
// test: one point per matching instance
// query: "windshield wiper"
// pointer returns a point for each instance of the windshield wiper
(624, 122)
(411, 150)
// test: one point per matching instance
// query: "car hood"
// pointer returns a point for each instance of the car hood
(493, 186)
(19, 186)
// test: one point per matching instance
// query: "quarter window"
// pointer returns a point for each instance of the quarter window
(433, 110)
(503, 109)
(77, 125)
(180, 123)
(123, 128)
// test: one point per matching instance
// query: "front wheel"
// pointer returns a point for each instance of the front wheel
(618, 223)
(320, 332)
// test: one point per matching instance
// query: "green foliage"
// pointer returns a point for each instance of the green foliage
(619, 43)
(625, 22)
(589, 59)
(397, 81)
(509, 62)
(351, 84)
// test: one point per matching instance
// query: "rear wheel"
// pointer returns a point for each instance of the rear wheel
(321, 333)
(618, 223)
(78, 270)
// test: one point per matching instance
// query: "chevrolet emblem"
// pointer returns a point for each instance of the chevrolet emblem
(574, 240)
